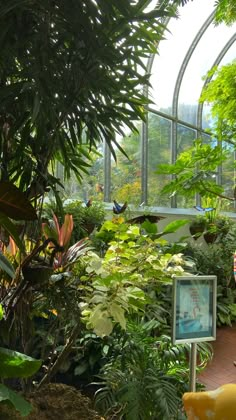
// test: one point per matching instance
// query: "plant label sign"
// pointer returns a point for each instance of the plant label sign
(194, 309)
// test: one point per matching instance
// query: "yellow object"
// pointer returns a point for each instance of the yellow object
(219, 404)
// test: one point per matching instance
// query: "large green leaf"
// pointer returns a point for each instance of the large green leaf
(17, 365)
(174, 226)
(7, 224)
(14, 203)
(6, 266)
(1, 312)
(9, 396)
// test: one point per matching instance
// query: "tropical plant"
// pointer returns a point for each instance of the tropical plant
(13, 206)
(212, 225)
(86, 216)
(132, 261)
(225, 11)
(217, 259)
(21, 288)
(15, 365)
(194, 171)
(70, 79)
(197, 226)
(220, 93)
(62, 255)
(226, 305)
(146, 379)
(217, 229)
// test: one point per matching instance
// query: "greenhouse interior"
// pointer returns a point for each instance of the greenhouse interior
(118, 209)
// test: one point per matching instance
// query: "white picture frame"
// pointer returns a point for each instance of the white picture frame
(194, 309)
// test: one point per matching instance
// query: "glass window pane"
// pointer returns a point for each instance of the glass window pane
(92, 183)
(200, 63)
(159, 151)
(172, 51)
(126, 173)
(185, 138)
(228, 179)
(207, 121)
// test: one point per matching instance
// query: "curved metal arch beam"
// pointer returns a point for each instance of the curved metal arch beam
(208, 79)
(107, 173)
(179, 79)
(186, 61)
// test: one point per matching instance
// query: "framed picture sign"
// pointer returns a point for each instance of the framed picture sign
(194, 309)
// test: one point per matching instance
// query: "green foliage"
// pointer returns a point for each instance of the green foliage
(19, 403)
(1, 312)
(14, 205)
(132, 262)
(226, 305)
(126, 174)
(91, 354)
(104, 295)
(220, 93)
(16, 365)
(194, 171)
(110, 228)
(225, 11)
(174, 226)
(214, 227)
(146, 379)
(70, 79)
(63, 255)
(85, 218)
(6, 266)
(217, 259)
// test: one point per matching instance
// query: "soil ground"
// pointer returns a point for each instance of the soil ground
(52, 402)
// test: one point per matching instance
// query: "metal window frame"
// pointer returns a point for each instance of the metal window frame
(174, 119)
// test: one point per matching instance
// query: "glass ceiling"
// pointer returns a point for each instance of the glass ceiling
(190, 49)
(192, 45)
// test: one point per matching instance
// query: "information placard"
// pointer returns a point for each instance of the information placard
(194, 309)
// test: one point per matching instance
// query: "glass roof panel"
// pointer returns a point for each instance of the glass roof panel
(207, 121)
(126, 173)
(172, 51)
(159, 151)
(203, 58)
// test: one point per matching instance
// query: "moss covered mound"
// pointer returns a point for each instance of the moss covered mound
(54, 401)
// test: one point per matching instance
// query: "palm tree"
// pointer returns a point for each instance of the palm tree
(70, 78)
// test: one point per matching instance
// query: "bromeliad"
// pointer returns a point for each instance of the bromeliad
(62, 235)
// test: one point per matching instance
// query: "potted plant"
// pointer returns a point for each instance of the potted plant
(197, 227)
(217, 228)
(86, 217)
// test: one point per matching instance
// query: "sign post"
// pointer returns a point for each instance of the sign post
(194, 314)
(193, 361)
